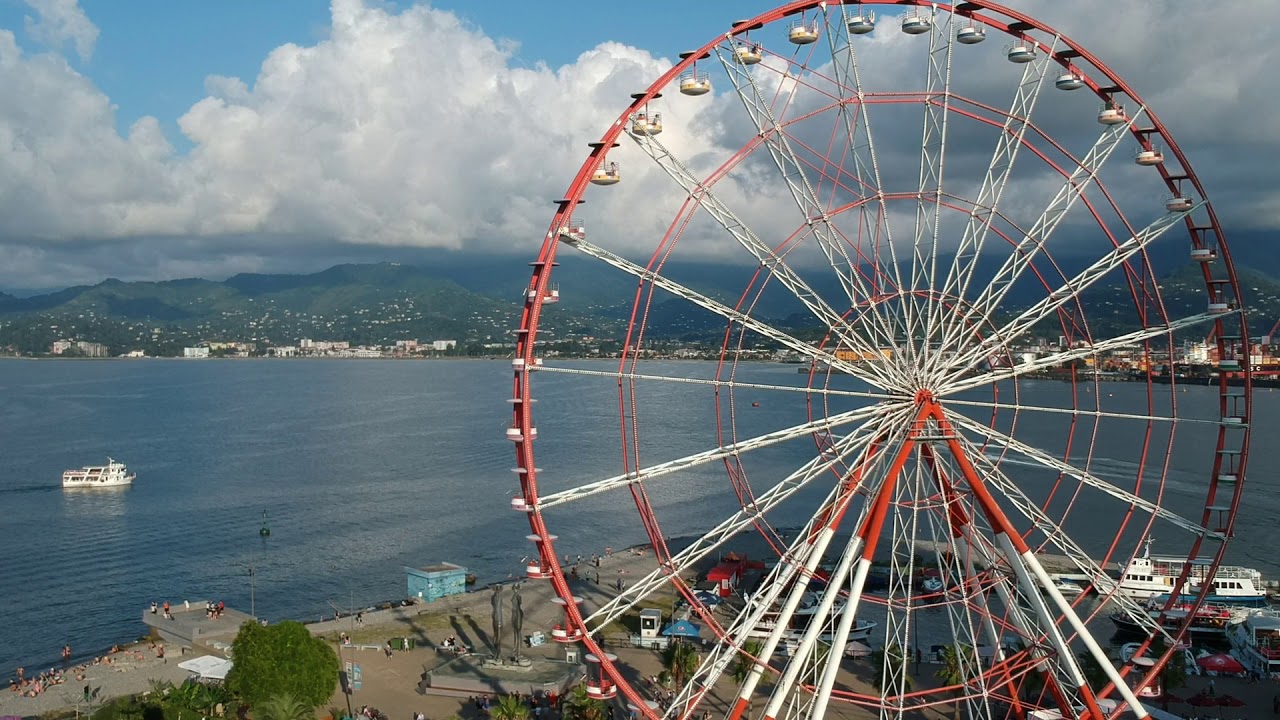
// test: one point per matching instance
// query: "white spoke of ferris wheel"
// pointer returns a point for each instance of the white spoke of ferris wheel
(853, 130)
(727, 384)
(738, 522)
(786, 684)
(1068, 356)
(715, 454)
(952, 566)
(1020, 257)
(1059, 539)
(1085, 477)
(794, 570)
(802, 192)
(805, 559)
(976, 230)
(1080, 412)
(859, 371)
(933, 147)
(1071, 289)
(1018, 611)
(752, 243)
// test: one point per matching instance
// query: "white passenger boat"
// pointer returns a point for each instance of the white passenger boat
(1256, 642)
(1152, 575)
(861, 629)
(113, 474)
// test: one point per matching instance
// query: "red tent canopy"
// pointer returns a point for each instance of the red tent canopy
(1220, 662)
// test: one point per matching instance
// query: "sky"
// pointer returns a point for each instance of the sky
(156, 139)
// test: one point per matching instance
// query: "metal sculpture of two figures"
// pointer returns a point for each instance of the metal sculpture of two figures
(517, 620)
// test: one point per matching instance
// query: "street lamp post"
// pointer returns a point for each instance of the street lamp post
(253, 605)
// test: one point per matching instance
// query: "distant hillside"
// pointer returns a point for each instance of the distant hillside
(477, 301)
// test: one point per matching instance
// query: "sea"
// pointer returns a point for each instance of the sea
(363, 467)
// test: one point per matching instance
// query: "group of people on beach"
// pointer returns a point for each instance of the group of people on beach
(33, 686)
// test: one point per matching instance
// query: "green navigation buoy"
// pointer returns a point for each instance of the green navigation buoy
(265, 531)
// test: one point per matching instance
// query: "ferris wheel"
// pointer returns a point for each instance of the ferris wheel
(953, 243)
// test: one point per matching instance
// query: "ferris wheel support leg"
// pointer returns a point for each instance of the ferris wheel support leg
(1025, 565)
(863, 545)
(960, 526)
(818, 546)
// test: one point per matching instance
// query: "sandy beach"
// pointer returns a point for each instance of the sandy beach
(392, 683)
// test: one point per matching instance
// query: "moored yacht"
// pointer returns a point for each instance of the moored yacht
(1150, 576)
(1256, 642)
(113, 474)
(861, 629)
(1211, 620)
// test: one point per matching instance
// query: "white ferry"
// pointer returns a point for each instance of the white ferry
(1256, 642)
(1153, 575)
(113, 474)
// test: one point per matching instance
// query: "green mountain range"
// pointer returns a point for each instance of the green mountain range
(476, 305)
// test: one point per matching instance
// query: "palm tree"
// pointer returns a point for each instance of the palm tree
(509, 707)
(1174, 673)
(889, 663)
(581, 706)
(1094, 674)
(681, 659)
(1033, 683)
(284, 706)
(742, 668)
(957, 664)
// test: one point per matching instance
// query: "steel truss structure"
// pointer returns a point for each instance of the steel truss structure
(956, 436)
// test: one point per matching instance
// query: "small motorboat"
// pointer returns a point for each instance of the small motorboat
(1067, 588)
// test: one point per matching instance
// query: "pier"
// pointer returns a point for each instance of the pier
(189, 626)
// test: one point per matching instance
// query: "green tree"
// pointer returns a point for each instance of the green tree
(957, 664)
(681, 659)
(284, 706)
(1174, 673)
(282, 659)
(1033, 683)
(890, 662)
(742, 668)
(509, 707)
(1094, 674)
(581, 706)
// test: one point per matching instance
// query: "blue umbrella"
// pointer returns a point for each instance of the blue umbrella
(707, 598)
(682, 628)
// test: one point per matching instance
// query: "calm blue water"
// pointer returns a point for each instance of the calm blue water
(365, 467)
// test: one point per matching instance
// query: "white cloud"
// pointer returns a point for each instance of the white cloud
(61, 21)
(414, 128)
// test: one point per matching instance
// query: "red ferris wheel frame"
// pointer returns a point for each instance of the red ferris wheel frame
(1109, 87)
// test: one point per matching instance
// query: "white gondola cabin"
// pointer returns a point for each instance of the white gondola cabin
(1023, 51)
(748, 53)
(695, 83)
(1219, 307)
(552, 296)
(1112, 114)
(1203, 255)
(606, 174)
(915, 23)
(1149, 156)
(1229, 364)
(573, 231)
(514, 434)
(1178, 203)
(862, 23)
(803, 32)
(971, 34)
(1069, 81)
(645, 123)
